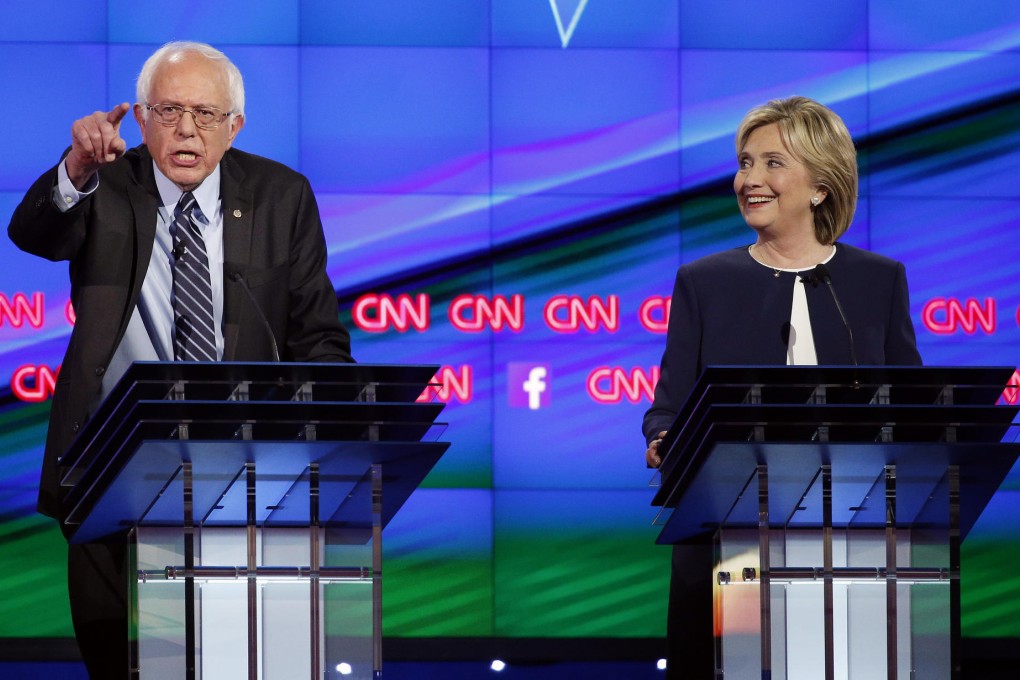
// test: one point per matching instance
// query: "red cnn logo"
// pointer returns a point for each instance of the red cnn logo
(18, 310)
(449, 383)
(380, 313)
(609, 385)
(472, 313)
(654, 313)
(591, 315)
(945, 316)
(34, 383)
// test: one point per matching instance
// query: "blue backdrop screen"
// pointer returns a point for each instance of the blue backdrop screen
(508, 187)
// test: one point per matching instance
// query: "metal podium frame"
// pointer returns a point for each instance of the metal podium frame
(888, 467)
(291, 459)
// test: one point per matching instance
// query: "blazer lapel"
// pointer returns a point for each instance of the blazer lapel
(144, 198)
(237, 203)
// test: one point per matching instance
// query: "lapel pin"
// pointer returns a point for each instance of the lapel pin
(237, 213)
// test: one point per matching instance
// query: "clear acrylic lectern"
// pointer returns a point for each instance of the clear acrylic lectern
(253, 497)
(837, 498)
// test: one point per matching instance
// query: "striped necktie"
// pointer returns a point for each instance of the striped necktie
(194, 334)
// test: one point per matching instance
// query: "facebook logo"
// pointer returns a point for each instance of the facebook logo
(528, 385)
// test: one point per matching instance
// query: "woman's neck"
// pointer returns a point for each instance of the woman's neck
(792, 254)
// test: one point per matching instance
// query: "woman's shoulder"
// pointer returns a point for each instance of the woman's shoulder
(728, 262)
(852, 256)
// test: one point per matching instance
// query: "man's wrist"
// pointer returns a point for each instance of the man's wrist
(66, 194)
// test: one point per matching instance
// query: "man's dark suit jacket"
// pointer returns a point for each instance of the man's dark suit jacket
(272, 237)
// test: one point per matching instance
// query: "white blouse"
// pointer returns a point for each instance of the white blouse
(800, 348)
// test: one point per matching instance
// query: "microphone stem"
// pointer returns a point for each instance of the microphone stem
(236, 276)
(846, 324)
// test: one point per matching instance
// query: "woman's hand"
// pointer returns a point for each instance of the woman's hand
(652, 457)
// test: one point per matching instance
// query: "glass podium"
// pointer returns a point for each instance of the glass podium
(837, 498)
(253, 498)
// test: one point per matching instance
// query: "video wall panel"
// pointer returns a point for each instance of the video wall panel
(584, 122)
(717, 87)
(793, 25)
(435, 23)
(507, 189)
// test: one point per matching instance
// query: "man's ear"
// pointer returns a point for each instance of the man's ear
(140, 119)
(236, 123)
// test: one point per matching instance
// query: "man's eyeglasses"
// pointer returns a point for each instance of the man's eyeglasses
(206, 117)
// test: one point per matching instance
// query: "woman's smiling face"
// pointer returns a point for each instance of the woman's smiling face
(774, 188)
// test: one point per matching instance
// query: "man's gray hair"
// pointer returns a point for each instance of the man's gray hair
(173, 51)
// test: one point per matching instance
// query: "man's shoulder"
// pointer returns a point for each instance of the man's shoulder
(135, 162)
(255, 166)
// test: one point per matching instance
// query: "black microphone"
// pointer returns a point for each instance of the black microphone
(821, 273)
(236, 277)
(179, 251)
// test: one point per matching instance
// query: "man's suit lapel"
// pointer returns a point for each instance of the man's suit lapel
(237, 203)
(144, 198)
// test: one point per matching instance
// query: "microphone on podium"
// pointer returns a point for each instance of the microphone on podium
(236, 277)
(821, 273)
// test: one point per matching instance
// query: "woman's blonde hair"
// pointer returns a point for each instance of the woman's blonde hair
(820, 140)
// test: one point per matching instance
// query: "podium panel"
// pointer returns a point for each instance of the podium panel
(253, 498)
(837, 499)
